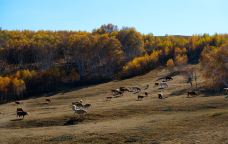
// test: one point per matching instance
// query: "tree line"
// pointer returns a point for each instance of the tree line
(36, 62)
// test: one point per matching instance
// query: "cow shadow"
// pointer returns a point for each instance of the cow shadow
(17, 119)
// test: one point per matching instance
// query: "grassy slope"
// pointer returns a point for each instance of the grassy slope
(176, 119)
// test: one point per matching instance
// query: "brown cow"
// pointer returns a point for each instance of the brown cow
(48, 100)
(156, 84)
(108, 98)
(17, 102)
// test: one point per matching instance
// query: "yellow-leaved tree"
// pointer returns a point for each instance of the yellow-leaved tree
(170, 63)
(141, 64)
(181, 59)
(18, 86)
(25, 74)
(4, 84)
(214, 64)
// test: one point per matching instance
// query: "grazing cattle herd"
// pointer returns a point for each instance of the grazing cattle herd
(81, 109)
(141, 91)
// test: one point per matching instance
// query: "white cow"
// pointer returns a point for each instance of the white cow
(78, 110)
(163, 85)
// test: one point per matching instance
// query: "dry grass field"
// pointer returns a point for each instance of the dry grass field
(202, 119)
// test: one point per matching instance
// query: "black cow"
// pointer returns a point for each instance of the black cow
(191, 93)
(140, 97)
(146, 93)
(123, 89)
(19, 109)
(87, 106)
(168, 78)
(160, 96)
(21, 114)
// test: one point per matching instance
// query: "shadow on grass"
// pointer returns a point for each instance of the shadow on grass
(73, 121)
(54, 121)
(62, 138)
(17, 119)
(211, 92)
(179, 92)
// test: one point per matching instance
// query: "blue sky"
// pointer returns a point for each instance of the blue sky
(160, 17)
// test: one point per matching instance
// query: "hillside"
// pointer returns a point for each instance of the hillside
(175, 119)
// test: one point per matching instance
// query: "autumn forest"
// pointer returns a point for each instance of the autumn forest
(38, 62)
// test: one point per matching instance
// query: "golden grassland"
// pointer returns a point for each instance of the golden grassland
(174, 120)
